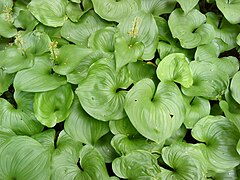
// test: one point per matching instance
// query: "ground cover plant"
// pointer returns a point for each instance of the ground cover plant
(128, 89)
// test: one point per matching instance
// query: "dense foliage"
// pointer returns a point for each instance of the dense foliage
(127, 89)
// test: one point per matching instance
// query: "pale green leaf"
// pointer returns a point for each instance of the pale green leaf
(115, 10)
(230, 10)
(208, 81)
(68, 57)
(139, 164)
(39, 77)
(5, 81)
(190, 28)
(19, 117)
(220, 137)
(50, 13)
(156, 112)
(124, 144)
(53, 106)
(13, 60)
(235, 87)
(175, 67)
(198, 108)
(24, 158)
(181, 158)
(80, 31)
(140, 28)
(82, 127)
(102, 93)
(7, 29)
(157, 7)
(187, 5)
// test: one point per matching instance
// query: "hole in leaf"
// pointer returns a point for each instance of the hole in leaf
(171, 115)
(135, 100)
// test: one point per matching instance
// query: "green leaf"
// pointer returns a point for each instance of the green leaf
(82, 127)
(123, 126)
(137, 165)
(181, 158)
(39, 77)
(210, 53)
(7, 29)
(68, 57)
(103, 40)
(238, 147)
(80, 71)
(5, 134)
(5, 81)
(187, 5)
(102, 93)
(235, 87)
(125, 53)
(124, 144)
(198, 108)
(74, 11)
(175, 67)
(140, 28)
(25, 20)
(230, 9)
(105, 148)
(13, 60)
(238, 39)
(34, 42)
(80, 31)
(208, 81)
(19, 117)
(4, 4)
(158, 7)
(140, 70)
(177, 136)
(223, 29)
(220, 138)
(190, 28)
(91, 163)
(50, 13)
(24, 158)
(46, 138)
(53, 106)
(115, 10)
(156, 113)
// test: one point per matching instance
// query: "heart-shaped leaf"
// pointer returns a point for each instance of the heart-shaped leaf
(155, 112)
(102, 93)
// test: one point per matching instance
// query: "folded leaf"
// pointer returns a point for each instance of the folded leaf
(208, 81)
(230, 9)
(140, 28)
(184, 165)
(50, 13)
(137, 165)
(156, 112)
(19, 117)
(175, 67)
(53, 106)
(190, 28)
